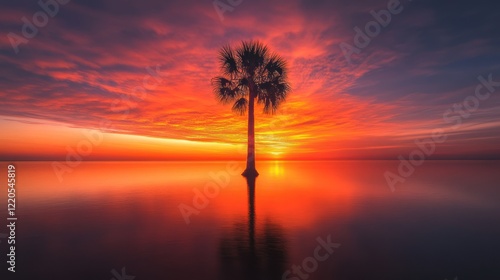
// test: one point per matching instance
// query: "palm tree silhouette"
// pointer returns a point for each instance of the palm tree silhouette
(251, 72)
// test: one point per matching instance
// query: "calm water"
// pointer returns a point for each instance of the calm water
(443, 222)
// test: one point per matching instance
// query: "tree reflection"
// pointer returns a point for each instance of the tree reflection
(248, 252)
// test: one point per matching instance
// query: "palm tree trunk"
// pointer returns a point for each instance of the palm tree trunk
(250, 171)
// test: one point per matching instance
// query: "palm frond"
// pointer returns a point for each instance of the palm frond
(243, 86)
(228, 62)
(224, 90)
(252, 56)
(275, 66)
(272, 94)
(240, 106)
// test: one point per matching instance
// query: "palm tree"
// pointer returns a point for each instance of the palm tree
(251, 72)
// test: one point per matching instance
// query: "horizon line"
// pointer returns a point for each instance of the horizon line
(243, 160)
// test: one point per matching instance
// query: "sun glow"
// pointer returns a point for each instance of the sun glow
(276, 168)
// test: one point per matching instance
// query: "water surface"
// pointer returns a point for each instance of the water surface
(443, 222)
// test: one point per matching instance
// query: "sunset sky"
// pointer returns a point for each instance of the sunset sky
(135, 76)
